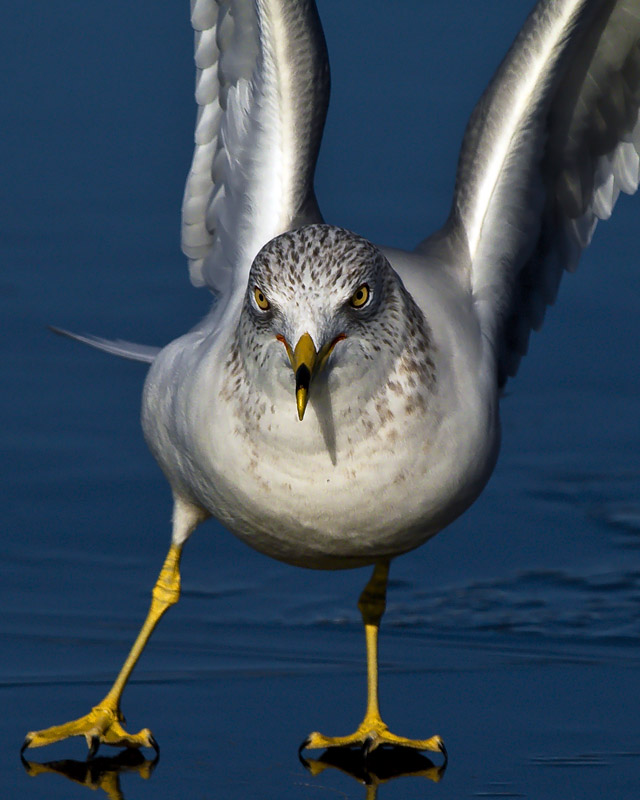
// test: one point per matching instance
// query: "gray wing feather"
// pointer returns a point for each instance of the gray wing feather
(548, 148)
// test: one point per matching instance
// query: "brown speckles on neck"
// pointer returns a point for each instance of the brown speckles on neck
(243, 401)
(383, 409)
(233, 373)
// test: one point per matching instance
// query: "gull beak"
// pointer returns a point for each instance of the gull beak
(305, 357)
(305, 362)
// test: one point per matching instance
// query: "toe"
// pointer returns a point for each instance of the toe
(100, 726)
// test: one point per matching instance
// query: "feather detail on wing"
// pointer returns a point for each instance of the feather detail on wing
(262, 91)
(549, 147)
(116, 347)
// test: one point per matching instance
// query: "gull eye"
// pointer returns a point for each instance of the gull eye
(261, 301)
(360, 297)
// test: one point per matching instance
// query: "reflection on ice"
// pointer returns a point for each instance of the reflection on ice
(97, 773)
(381, 766)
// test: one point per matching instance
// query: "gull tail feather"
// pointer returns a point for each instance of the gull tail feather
(117, 347)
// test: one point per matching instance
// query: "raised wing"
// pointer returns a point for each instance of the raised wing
(262, 90)
(549, 147)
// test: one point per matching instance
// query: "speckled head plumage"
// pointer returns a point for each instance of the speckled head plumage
(315, 256)
(338, 289)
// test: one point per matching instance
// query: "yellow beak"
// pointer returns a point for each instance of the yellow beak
(303, 362)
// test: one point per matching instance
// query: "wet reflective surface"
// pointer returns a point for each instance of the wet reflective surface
(514, 635)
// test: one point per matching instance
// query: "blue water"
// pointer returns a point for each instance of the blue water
(514, 634)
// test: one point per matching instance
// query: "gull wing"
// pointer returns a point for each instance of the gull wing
(550, 145)
(262, 89)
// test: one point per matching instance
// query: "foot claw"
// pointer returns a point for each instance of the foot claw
(367, 748)
(93, 747)
(153, 743)
(26, 743)
(304, 745)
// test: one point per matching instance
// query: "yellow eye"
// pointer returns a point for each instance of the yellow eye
(261, 301)
(360, 296)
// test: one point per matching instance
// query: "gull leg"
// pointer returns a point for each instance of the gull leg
(103, 724)
(372, 731)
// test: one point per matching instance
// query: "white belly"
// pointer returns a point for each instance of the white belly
(328, 492)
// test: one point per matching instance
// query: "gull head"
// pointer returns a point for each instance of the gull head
(322, 305)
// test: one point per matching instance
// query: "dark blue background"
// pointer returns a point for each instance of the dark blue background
(514, 634)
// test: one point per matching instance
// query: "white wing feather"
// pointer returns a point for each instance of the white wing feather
(262, 89)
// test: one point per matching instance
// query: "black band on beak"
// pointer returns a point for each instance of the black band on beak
(303, 378)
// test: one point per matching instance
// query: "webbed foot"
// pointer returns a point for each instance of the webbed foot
(102, 725)
(372, 733)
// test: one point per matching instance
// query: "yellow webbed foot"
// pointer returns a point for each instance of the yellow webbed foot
(102, 725)
(372, 733)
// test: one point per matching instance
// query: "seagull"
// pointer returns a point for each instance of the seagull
(339, 405)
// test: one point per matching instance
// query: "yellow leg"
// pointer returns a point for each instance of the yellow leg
(103, 724)
(372, 732)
